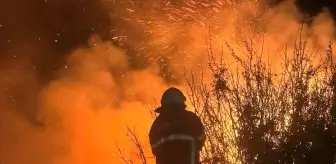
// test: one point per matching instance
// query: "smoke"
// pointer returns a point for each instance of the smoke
(95, 104)
(175, 33)
(84, 111)
(78, 113)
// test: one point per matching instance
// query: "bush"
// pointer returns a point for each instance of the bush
(259, 116)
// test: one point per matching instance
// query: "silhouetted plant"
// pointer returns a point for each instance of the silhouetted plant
(258, 116)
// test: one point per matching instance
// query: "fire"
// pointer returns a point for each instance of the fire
(88, 98)
(88, 106)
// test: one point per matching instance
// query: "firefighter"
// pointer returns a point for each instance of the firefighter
(177, 135)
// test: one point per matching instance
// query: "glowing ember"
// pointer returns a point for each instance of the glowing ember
(101, 88)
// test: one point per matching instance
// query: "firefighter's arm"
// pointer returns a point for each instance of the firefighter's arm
(201, 138)
(200, 135)
(152, 139)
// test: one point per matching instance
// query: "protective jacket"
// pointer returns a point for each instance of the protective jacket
(177, 137)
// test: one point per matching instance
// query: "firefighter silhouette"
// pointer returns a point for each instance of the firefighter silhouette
(177, 135)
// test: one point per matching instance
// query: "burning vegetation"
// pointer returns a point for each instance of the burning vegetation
(260, 77)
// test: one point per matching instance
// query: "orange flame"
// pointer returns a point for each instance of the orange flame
(87, 107)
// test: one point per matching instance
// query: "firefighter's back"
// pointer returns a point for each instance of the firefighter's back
(174, 152)
(177, 135)
(173, 129)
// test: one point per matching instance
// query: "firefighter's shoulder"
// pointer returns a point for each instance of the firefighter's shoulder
(194, 119)
(157, 121)
(192, 115)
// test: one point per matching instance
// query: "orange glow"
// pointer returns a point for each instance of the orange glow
(88, 106)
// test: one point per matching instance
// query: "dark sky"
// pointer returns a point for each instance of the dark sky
(45, 33)
(313, 7)
(30, 28)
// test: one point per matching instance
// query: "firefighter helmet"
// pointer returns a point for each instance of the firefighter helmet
(171, 96)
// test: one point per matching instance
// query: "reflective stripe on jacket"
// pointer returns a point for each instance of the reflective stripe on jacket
(177, 128)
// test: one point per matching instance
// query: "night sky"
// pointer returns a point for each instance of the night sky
(47, 32)
(43, 34)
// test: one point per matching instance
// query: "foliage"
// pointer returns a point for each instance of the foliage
(254, 115)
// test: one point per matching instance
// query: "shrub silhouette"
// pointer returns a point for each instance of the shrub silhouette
(257, 116)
